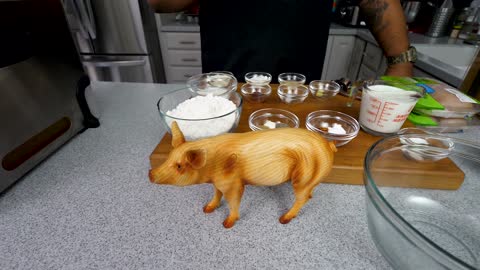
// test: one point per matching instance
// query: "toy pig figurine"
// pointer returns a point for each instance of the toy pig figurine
(261, 158)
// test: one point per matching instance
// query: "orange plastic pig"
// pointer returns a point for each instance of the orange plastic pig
(262, 158)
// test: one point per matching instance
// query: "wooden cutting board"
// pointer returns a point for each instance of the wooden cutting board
(348, 165)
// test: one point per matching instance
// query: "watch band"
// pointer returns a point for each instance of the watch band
(408, 56)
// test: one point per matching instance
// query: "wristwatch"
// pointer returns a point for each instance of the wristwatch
(408, 56)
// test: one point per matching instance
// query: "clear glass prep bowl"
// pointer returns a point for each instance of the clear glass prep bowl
(220, 83)
(256, 121)
(324, 89)
(256, 93)
(320, 121)
(292, 94)
(417, 228)
(208, 126)
(290, 78)
(250, 78)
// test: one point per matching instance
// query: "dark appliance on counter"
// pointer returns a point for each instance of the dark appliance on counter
(42, 86)
(117, 39)
(348, 14)
(420, 14)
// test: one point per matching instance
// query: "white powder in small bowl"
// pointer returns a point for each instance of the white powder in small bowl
(258, 79)
(203, 107)
(337, 129)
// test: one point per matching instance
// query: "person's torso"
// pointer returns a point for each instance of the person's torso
(274, 36)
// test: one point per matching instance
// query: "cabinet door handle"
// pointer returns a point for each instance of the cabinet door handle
(187, 75)
(189, 60)
(187, 42)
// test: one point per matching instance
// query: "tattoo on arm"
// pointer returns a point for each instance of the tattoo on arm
(374, 11)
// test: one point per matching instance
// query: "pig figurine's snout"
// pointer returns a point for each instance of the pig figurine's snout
(157, 177)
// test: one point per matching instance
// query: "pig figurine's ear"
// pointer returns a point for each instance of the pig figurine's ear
(196, 158)
(177, 135)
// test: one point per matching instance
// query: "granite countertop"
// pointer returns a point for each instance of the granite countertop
(441, 70)
(90, 206)
(447, 73)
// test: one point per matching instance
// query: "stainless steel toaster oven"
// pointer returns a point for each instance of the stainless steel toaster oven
(42, 84)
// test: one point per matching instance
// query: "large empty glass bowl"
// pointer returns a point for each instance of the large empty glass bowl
(436, 226)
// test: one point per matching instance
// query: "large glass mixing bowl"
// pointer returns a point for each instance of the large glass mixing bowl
(193, 126)
(421, 228)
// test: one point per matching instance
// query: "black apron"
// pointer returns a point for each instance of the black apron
(272, 36)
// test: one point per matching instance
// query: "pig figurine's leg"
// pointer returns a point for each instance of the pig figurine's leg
(233, 192)
(303, 183)
(214, 203)
(302, 195)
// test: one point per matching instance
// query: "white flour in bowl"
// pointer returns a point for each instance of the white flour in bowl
(202, 107)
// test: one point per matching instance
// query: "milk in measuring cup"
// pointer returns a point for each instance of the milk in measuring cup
(384, 108)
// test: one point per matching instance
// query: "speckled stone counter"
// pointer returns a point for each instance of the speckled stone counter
(91, 206)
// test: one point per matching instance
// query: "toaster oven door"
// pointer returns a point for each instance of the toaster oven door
(39, 75)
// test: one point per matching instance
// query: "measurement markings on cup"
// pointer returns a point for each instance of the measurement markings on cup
(387, 109)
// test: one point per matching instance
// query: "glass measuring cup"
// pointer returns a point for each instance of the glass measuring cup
(385, 108)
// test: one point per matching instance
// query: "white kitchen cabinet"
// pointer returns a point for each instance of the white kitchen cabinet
(185, 58)
(383, 67)
(367, 61)
(372, 57)
(339, 57)
(366, 73)
(181, 53)
(185, 41)
(181, 74)
(356, 61)
(328, 52)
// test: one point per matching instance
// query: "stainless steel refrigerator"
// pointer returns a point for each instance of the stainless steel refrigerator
(117, 39)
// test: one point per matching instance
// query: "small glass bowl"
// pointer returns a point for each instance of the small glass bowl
(292, 94)
(258, 78)
(264, 119)
(324, 89)
(215, 83)
(321, 121)
(223, 72)
(256, 93)
(291, 79)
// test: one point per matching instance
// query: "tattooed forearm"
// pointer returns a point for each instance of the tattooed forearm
(374, 11)
(387, 23)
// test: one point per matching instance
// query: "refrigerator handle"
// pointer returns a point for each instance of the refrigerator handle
(120, 63)
(114, 66)
(91, 18)
(72, 12)
(85, 18)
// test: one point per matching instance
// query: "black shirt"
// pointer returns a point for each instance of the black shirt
(272, 36)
